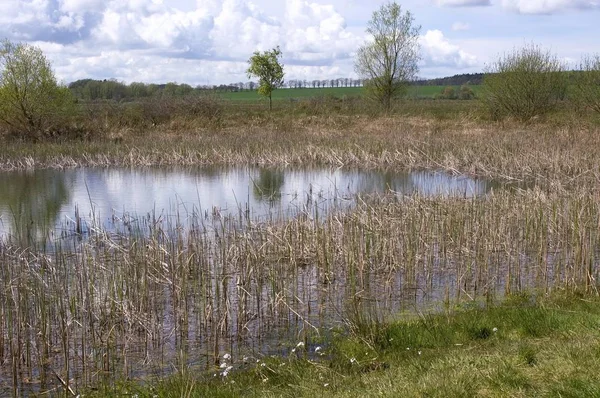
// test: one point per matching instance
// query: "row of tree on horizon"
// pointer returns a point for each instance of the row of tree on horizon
(111, 89)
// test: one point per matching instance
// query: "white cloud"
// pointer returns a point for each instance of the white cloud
(316, 32)
(460, 26)
(462, 3)
(82, 6)
(548, 6)
(200, 41)
(240, 28)
(438, 51)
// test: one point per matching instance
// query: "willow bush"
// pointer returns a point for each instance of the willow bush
(523, 84)
(586, 90)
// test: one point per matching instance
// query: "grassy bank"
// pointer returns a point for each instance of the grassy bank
(527, 346)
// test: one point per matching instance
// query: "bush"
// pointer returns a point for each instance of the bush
(524, 84)
(447, 93)
(466, 93)
(586, 90)
(32, 104)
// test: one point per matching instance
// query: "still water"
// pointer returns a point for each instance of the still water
(36, 204)
(135, 307)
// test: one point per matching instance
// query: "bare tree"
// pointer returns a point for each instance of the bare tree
(390, 60)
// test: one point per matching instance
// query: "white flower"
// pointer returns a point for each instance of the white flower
(300, 345)
(494, 330)
(326, 385)
(353, 360)
(223, 365)
(227, 357)
(226, 371)
(318, 349)
(419, 353)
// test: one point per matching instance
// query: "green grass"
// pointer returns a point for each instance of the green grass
(300, 93)
(543, 347)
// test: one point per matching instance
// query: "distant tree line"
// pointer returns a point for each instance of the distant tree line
(90, 89)
(111, 89)
(472, 79)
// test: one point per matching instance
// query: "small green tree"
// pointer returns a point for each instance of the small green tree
(390, 61)
(586, 90)
(31, 101)
(523, 84)
(269, 71)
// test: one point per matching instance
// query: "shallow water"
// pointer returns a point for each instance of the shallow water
(164, 301)
(37, 204)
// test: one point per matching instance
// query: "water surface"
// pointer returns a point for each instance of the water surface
(36, 204)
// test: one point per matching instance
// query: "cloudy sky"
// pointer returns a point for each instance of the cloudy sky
(210, 41)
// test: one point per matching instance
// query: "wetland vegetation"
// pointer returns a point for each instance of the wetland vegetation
(399, 293)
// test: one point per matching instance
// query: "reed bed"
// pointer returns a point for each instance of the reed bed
(162, 296)
(565, 149)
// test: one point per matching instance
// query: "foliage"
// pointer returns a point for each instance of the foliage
(390, 60)
(32, 103)
(447, 93)
(269, 70)
(456, 80)
(526, 83)
(466, 93)
(586, 93)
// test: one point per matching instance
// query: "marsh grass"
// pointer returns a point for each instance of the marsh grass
(559, 148)
(159, 295)
(158, 298)
(433, 356)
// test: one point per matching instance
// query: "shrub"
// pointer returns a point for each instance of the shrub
(447, 93)
(586, 90)
(523, 84)
(466, 93)
(32, 104)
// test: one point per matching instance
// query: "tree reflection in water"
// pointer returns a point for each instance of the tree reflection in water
(30, 203)
(268, 185)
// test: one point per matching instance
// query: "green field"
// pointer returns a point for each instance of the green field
(299, 93)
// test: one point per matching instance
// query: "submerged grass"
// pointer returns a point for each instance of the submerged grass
(527, 346)
(159, 295)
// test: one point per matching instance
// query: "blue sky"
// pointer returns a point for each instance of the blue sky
(209, 41)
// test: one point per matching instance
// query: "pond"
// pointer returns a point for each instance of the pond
(34, 205)
(113, 273)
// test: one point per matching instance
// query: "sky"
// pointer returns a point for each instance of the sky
(202, 42)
